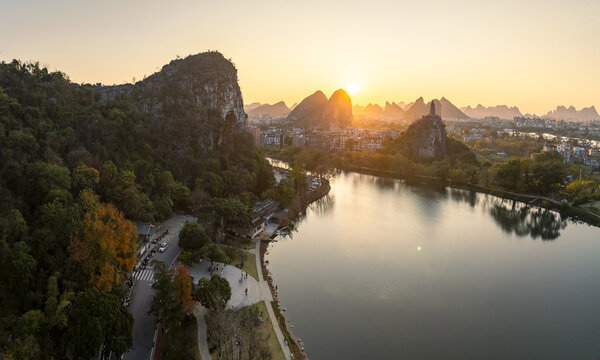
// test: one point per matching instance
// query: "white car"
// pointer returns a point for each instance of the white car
(163, 247)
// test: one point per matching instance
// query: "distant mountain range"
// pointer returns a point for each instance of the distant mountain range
(408, 112)
(570, 113)
(277, 110)
(500, 111)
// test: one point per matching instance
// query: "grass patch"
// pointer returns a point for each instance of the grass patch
(182, 342)
(239, 242)
(224, 327)
(295, 350)
(249, 264)
(267, 329)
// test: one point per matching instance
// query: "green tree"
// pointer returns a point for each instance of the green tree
(192, 236)
(225, 214)
(97, 319)
(214, 293)
(214, 252)
(166, 308)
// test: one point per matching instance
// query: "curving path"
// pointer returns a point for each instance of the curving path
(267, 297)
(200, 311)
(258, 290)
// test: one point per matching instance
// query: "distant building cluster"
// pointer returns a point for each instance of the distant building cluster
(587, 155)
(349, 139)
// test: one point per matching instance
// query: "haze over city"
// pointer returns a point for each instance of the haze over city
(531, 54)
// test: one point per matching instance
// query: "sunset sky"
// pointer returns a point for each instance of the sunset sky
(532, 54)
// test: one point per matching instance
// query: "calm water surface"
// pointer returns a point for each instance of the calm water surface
(382, 270)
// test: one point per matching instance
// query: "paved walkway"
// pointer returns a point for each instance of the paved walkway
(200, 311)
(239, 298)
(258, 290)
(267, 297)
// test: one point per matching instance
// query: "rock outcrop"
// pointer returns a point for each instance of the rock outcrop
(192, 103)
(190, 87)
(425, 138)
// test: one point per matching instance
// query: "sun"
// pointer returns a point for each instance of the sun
(352, 88)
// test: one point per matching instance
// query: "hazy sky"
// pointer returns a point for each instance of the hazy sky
(533, 54)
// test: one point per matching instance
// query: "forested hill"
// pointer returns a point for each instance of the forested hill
(68, 152)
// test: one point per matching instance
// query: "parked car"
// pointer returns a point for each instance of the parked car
(163, 247)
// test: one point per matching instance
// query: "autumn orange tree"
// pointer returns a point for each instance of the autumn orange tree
(183, 287)
(105, 249)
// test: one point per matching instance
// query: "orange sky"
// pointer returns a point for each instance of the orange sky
(533, 54)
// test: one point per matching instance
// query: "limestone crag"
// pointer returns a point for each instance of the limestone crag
(339, 108)
(317, 111)
(192, 86)
(426, 138)
(311, 111)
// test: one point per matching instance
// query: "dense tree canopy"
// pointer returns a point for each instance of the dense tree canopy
(75, 169)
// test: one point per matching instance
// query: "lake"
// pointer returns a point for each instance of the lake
(382, 270)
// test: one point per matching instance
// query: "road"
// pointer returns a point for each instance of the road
(142, 293)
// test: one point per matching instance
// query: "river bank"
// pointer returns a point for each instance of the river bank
(563, 208)
(295, 345)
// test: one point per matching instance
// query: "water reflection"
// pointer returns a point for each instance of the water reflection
(526, 221)
(323, 205)
(467, 196)
(385, 183)
(418, 273)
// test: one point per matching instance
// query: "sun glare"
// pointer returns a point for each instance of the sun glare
(352, 88)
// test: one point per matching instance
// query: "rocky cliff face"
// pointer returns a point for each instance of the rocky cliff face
(426, 138)
(189, 87)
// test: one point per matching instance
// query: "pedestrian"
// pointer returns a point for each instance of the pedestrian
(246, 291)
(275, 287)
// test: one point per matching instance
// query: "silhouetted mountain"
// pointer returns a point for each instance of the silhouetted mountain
(317, 111)
(276, 110)
(444, 108)
(401, 104)
(250, 107)
(340, 109)
(374, 109)
(500, 111)
(311, 111)
(563, 113)
(416, 110)
(448, 111)
(293, 106)
(393, 111)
